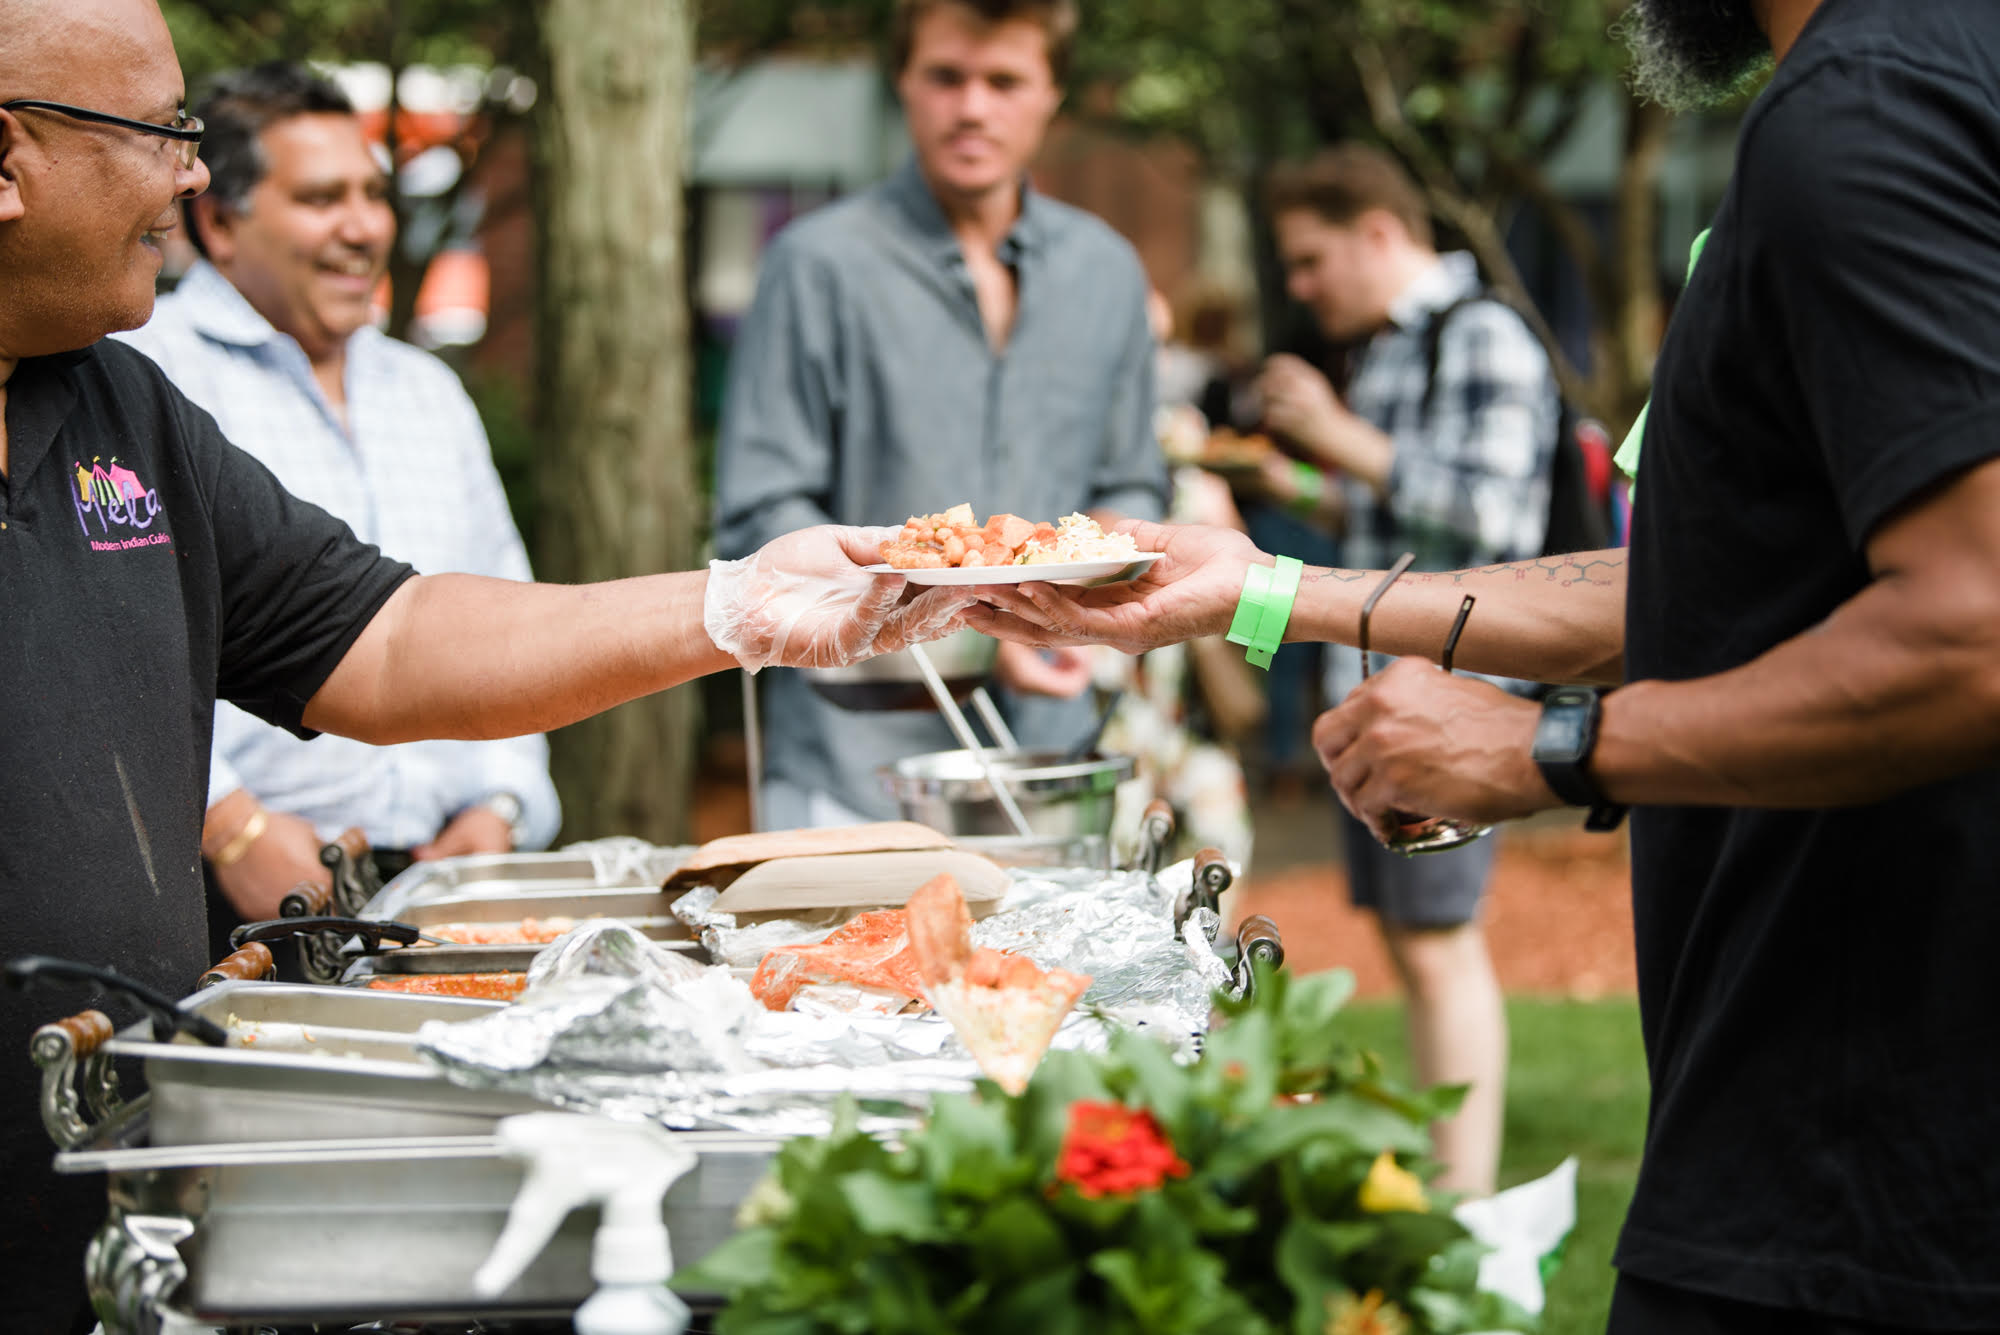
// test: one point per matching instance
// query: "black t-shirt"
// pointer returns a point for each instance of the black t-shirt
(1821, 989)
(146, 565)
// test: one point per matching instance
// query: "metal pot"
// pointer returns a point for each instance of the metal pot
(893, 681)
(1061, 798)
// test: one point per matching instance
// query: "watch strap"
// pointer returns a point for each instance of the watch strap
(1568, 775)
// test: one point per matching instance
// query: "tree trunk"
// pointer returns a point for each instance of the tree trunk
(616, 475)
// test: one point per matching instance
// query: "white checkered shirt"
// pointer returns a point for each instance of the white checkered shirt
(1470, 481)
(412, 473)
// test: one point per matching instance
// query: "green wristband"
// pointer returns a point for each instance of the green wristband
(1264, 608)
(1311, 483)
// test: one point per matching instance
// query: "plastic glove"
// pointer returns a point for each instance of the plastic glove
(803, 600)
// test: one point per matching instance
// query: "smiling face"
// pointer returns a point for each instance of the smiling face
(312, 242)
(978, 97)
(84, 205)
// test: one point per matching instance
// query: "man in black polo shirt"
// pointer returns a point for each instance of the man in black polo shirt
(1811, 627)
(147, 566)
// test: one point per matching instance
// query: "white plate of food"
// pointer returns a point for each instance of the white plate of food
(952, 548)
(1108, 571)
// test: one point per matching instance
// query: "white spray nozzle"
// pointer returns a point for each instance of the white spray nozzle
(576, 1160)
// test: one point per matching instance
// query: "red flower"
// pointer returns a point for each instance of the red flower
(1112, 1150)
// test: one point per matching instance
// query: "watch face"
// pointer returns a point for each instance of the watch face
(1561, 732)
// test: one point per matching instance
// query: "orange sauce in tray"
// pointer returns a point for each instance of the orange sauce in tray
(478, 986)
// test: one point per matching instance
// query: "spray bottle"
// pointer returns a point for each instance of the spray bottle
(625, 1167)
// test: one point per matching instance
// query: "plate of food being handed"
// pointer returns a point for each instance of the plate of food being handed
(949, 548)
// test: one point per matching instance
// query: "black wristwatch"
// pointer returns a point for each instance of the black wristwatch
(1564, 740)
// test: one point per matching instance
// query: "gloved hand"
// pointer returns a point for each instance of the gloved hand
(803, 600)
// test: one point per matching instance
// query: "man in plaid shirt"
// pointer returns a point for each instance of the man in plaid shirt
(1454, 467)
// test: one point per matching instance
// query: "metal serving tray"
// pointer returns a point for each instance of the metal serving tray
(355, 1230)
(499, 874)
(359, 1078)
(644, 909)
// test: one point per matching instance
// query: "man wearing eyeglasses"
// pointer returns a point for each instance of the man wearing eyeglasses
(270, 331)
(147, 566)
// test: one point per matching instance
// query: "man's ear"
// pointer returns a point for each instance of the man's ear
(12, 206)
(211, 220)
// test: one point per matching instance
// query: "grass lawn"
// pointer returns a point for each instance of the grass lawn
(1577, 1085)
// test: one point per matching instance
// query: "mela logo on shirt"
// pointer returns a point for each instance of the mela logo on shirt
(122, 507)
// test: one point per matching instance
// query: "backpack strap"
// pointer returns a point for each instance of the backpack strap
(1433, 337)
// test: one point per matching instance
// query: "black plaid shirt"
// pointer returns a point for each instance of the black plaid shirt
(1470, 482)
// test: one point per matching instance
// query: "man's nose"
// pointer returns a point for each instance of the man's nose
(975, 100)
(365, 222)
(193, 180)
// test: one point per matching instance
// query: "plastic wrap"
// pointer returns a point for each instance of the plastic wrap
(621, 859)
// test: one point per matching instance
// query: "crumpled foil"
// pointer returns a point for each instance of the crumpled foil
(744, 947)
(612, 1022)
(1118, 927)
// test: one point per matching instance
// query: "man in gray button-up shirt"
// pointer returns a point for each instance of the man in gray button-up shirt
(949, 335)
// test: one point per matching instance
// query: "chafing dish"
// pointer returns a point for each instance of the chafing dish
(353, 1230)
(647, 910)
(322, 1062)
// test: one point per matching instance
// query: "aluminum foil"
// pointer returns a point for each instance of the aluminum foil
(1118, 927)
(612, 1022)
(744, 947)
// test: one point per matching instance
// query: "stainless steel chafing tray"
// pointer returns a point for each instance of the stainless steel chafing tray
(499, 875)
(644, 909)
(349, 1230)
(347, 1069)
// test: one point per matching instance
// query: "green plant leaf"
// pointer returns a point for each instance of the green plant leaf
(970, 1147)
(890, 1209)
(745, 1260)
(1018, 1238)
(1046, 1304)
(1358, 1125)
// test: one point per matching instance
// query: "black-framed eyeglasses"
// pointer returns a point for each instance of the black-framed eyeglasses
(186, 131)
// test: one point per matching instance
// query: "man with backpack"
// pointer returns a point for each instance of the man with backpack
(1443, 444)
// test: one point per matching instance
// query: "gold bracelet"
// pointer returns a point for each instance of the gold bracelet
(253, 829)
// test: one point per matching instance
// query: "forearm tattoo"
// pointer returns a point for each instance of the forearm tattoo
(1582, 568)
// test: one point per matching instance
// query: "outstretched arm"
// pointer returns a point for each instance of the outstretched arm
(1552, 619)
(1898, 687)
(463, 656)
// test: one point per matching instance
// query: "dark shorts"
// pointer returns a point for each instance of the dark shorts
(1435, 890)
(1642, 1307)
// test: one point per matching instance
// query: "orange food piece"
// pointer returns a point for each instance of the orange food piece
(526, 932)
(482, 986)
(934, 542)
(872, 950)
(1005, 1008)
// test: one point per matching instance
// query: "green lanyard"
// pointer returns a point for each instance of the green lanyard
(1627, 457)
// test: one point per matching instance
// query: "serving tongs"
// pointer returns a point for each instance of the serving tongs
(954, 716)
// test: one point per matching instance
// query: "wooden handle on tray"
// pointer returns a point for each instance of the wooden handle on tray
(87, 1031)
(350, 841)
(1258, 938)
(307, 899)
(1211, 870)
(249, 964)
